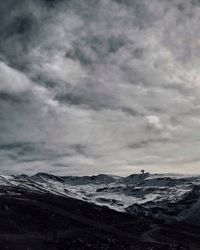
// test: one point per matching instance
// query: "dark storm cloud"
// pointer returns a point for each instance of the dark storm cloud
(149, 142)
(99, 86)
(79, 149)
(5, 97)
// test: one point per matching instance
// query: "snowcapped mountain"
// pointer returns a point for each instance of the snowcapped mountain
(161, 196)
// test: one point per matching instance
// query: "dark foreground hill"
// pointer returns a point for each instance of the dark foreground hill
(30, 220)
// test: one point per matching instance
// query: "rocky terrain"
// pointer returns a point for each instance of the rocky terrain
(99, 212)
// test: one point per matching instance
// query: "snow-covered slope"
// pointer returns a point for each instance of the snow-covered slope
(163, 196)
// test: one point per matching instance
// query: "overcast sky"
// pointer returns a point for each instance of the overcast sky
(99, 86)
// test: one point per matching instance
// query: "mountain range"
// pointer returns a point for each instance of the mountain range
(140, 211)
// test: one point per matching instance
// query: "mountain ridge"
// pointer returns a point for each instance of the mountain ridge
(170, 197)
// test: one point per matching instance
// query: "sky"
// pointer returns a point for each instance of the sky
(99, 86)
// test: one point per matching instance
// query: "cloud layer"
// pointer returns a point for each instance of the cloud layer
(99, 86)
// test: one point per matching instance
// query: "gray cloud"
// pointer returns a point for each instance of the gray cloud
(99, 86)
